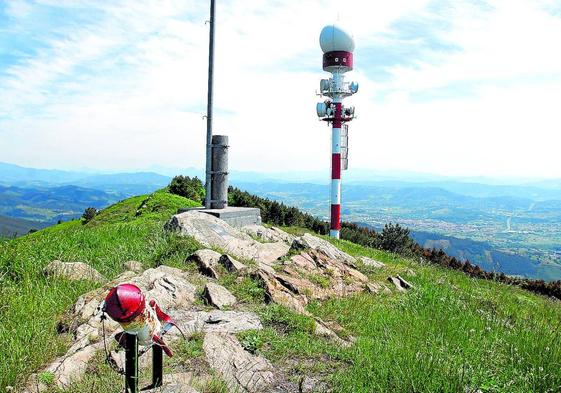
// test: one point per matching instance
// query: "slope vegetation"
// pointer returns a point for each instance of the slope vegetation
(452, 333)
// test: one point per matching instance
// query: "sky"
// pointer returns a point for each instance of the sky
(455, 87)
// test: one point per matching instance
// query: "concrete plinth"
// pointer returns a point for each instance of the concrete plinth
(235, 216)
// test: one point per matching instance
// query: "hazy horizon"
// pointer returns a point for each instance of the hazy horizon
(352, 175)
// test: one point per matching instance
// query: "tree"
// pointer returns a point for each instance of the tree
(187, 187)
(395, 238)
(89, 214)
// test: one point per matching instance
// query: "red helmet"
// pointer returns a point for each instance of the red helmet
(124, 302)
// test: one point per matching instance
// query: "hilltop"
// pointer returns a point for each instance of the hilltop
(451, 332)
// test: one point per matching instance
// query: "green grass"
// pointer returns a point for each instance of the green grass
(451, 333)
(31, 305)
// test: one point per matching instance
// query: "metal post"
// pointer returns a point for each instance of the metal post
(209, 107)
(131, 363)
(157, 366)
(335, 226)
(219, 172)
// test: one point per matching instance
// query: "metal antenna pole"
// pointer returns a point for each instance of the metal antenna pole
(209, 108)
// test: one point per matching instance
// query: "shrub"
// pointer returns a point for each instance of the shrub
(395, 238)
(188, 187)
(89, 214)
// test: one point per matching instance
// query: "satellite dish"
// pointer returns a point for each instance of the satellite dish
(334, 38)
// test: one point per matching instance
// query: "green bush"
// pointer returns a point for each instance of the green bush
(395, 238)
(89, 214)
(188, 187)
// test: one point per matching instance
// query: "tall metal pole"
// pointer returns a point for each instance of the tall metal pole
(335, 226)
(209, 108)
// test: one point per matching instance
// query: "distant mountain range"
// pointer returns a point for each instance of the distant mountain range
(13, 227)
(514, 228)
(519, 234)
(46, 195)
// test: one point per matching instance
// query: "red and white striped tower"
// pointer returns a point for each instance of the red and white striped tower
(337, 46)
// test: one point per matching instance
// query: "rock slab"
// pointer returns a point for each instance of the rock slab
(218, 296)
(213, 232)
(318, 244)
(272, 234)
(240, 370)
(206, 261)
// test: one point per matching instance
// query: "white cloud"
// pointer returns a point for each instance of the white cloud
(128, 90)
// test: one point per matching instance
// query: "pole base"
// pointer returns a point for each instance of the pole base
(334, 233)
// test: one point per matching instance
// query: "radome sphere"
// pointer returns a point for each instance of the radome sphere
(334, 38)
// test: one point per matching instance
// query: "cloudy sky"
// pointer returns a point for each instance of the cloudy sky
(455, 87)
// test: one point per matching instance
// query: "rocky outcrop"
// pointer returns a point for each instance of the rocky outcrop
(316, 270)
(310, 275)
(73, 271)
(218, 296)
(318, 244)
(213, 232)
(240, 370)
(168, 285)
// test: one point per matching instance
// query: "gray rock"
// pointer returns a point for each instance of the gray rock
(213, 232)
(206, 260)
(315, 243)
(168, 285)
(372, 263)
(322, 330)
(231, 264)
(400, 284)
(272, 234)
(218, 296)
(404, 283)
(240, 370)
(374, 287)
(215, 321)
(73, 271)
(278, 293)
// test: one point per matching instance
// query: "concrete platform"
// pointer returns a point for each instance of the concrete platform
(235, 216)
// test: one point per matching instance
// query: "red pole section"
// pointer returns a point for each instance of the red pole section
(336, 171)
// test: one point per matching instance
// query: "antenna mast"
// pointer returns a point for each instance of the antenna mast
(209, 107)
(337, 46)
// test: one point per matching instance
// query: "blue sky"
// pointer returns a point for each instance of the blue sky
(460, 87)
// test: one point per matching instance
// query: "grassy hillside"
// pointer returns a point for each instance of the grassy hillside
(451, 334)
(30, 304)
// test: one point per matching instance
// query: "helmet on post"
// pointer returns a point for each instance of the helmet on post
(124, 302)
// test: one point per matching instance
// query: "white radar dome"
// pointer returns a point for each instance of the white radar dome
(334, 38)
